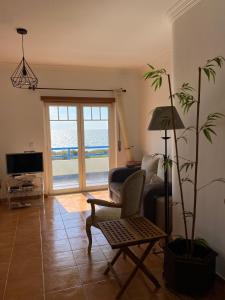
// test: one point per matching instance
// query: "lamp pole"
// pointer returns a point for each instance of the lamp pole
(166, 204)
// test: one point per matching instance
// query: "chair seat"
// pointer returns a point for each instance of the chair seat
(105, 214)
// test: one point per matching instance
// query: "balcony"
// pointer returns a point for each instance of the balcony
(65, 166)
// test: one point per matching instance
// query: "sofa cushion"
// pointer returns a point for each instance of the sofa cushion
(105, 214)
(150, 165)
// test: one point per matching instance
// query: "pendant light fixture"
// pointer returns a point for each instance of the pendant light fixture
(23, 77)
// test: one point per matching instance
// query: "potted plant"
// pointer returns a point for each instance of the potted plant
(189, 263)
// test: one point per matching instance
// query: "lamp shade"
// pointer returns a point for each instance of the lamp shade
(162, 119)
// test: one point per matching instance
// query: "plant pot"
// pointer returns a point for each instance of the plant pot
(190, 275)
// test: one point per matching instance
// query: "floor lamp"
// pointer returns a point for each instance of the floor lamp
(162, 120)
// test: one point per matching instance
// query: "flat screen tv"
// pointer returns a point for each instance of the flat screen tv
(28, 162)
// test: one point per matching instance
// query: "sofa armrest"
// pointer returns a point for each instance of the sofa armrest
(153, 191)
(121, 174)
(156, 189)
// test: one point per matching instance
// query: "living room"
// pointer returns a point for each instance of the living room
(81, 50)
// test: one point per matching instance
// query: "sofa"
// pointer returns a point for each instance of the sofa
(153, 197)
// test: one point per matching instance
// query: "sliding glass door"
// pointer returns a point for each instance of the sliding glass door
(96, 144)
(79, 146)
(63, 125)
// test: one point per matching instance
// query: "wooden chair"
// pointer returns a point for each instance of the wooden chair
(130, 204)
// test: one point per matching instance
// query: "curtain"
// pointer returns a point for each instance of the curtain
(118, 94)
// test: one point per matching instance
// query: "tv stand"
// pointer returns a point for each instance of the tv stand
(24, 189)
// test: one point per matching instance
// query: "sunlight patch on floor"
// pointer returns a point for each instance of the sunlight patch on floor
(78, 202)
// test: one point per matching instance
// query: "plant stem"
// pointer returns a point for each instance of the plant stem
(196, 160)
(178, 161)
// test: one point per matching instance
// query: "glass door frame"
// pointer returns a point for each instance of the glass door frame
(48, 158)
(81, 147)
(111, 134)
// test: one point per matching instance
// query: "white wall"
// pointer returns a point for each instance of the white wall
(151, 141)
(197, 36)
(21, 111)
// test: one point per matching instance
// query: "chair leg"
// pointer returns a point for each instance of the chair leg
(88, 231)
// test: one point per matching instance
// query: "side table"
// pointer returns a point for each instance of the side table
(123, 233)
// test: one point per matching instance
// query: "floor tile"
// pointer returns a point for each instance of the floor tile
(5, 254)
(72, 216)
(6, 239)
(75, 232)
(55, 235)
(78, 243)
(101, 240)
(61, 279)
(3, 270)
(73, 223)
(102, 290)
(59, 260)
(56, 246)
(139, 288)
(69, 294)
(25, 287)
(25, 266)
(68, 274)
(22, 251)
(82, 257)
(108, 252)
(2, 288)
(93, 272)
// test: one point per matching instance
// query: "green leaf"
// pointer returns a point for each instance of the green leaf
(150, 66)
(222, 180)
(187, 179)
(182, 138)
(207, 73)
(156, 76)
(209, 68)
(187, 165)
(167, 163)
(201, 242)
(212, 131)
(207, 135)
(209, 123)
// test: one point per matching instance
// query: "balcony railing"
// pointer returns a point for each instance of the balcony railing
(67, 153)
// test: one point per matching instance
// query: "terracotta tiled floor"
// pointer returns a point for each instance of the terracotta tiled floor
(43, 256)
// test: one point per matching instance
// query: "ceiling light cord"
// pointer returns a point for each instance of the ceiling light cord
(22, 46)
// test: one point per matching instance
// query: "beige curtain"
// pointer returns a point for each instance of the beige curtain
(118, 94)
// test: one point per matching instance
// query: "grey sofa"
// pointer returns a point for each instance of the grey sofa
(153, 196)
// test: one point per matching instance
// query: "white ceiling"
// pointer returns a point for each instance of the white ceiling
(120, 33)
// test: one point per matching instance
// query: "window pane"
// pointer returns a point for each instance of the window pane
(95, 113)
(87, 113)
(104, 113)
(63, 113)
(53, 113)
(72, 111)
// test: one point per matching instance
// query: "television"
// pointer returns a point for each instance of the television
(27, 162)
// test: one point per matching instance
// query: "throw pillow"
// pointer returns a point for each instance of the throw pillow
(150, 165)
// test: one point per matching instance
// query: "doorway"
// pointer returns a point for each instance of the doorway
(80, 152)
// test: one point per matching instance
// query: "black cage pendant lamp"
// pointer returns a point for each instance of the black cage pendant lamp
(23, 77)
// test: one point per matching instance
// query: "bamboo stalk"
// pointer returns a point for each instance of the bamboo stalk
(178, 161)
(196, 160)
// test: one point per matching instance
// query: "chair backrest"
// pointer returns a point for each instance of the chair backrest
(131, 194)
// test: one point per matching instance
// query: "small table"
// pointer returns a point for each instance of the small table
(123, 233)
